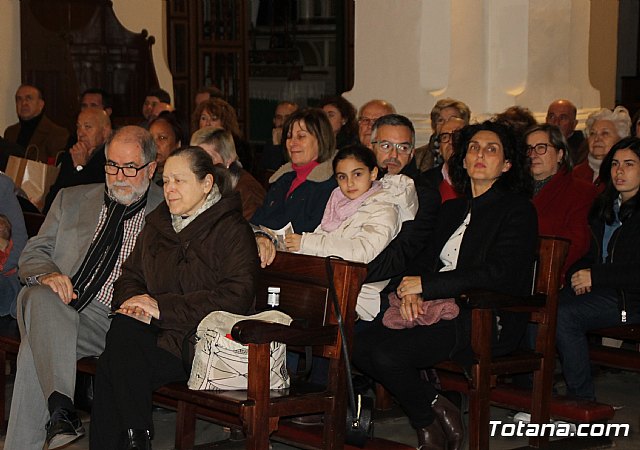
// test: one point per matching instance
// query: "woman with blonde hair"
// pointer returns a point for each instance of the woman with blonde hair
(218, 143)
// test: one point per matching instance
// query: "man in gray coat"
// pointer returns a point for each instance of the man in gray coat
(69, 269)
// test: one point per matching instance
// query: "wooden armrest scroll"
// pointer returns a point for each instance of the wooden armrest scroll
(490, 300)
(259, 332)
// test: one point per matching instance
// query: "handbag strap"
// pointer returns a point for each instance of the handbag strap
(345, 350)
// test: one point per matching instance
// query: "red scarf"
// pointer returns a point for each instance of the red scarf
(302, 172)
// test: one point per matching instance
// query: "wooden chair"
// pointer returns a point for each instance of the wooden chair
(619, 358)
(542, 307)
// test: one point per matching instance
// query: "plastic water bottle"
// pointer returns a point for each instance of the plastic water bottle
(273, 297)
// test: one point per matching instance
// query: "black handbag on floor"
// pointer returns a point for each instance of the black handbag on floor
(359, 425)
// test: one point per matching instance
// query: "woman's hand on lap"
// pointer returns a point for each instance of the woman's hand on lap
(141, 307)
(410, 285)
(266, 251)
(411, 306)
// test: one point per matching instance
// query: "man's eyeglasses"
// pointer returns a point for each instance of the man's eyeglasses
(130, 172)
(386, 146)
(366, 121)
(539, 149)
(445, 138)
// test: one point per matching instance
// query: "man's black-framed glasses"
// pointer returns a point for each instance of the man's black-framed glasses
(128, 171)
(539, 149)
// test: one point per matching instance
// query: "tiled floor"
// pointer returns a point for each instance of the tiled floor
(621, 389)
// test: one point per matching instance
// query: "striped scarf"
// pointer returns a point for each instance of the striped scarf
(103, 252)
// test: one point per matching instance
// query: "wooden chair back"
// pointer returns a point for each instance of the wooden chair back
(542, 304)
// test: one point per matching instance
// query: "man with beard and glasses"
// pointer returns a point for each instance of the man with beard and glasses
(69, 269)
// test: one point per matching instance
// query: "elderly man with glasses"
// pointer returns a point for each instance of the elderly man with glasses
(368, 114)
(69, 269)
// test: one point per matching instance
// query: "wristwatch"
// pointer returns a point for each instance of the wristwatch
(34, 280)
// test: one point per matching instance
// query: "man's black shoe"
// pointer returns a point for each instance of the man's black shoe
(64, 427)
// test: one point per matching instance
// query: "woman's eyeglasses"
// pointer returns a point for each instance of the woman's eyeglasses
(539, 149)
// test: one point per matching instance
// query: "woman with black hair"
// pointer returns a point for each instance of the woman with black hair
(603, 288)
(484, 240)
(342, 116)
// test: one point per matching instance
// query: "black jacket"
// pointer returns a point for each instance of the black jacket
(92, 173)
(622, 268)
(497, 253)
(413, 237)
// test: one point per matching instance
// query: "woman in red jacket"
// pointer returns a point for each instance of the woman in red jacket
(562, 201)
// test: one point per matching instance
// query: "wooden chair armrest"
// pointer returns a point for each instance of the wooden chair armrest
(481, 299)
(260, 332)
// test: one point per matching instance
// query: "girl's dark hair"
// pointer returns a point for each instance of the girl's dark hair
(517, 179)
(603, 204)
(317, 123)
(359, 153)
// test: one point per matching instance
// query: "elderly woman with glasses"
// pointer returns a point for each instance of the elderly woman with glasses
(438, 177)
(444, 110)
(562, 201)
(604, 128)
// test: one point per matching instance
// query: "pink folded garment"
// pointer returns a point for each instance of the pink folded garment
(432, 311)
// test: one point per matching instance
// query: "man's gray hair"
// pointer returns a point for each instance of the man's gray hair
(394, 120)
(137, 135)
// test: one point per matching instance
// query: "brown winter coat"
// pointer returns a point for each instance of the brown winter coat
(210, 265)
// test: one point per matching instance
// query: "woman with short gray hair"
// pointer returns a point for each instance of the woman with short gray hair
(218, 143)
(604, 129)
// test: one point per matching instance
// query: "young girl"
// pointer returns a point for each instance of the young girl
(361, 217)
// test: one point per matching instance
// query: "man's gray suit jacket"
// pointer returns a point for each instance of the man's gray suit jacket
(67, 231)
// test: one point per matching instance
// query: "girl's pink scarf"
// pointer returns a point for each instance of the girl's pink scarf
(340, 208)
(302, 172)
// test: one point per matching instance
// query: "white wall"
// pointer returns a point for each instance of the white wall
(9, 60)
(491, 54)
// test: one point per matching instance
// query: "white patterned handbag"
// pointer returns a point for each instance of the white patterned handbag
(222, 363)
